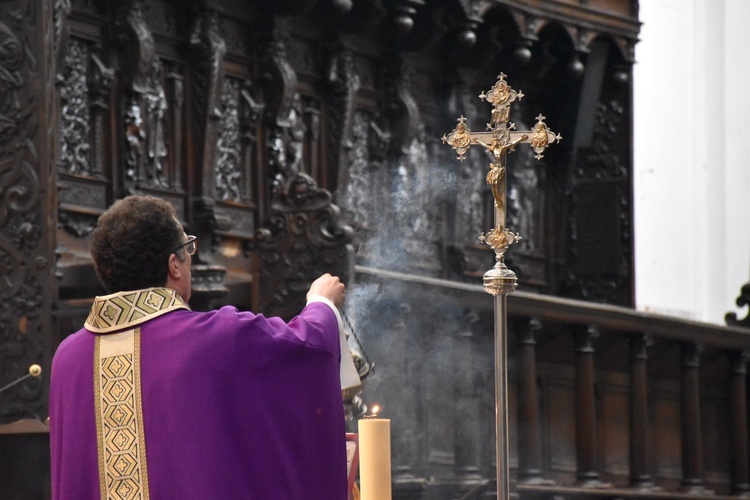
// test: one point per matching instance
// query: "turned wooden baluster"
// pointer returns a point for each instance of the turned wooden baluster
(529, 438)
(639, 439)
(468, 405)
(587, 454)
(692, 448)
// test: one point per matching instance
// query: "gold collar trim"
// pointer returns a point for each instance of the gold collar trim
(111, 313)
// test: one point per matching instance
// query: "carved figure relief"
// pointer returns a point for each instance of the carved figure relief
(470, 205)
(525, 199)
(228, 179)
(75, 123)
(427, 184)
(145, 117)
(251, 114)
(470, 210)
(423, 182)
(359, 194)
(134, 138)
(155, 103)
(84, 85)
(235, 149)
(286, 145)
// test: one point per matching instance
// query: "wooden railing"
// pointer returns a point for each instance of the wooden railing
(605, 401)
(712, 359)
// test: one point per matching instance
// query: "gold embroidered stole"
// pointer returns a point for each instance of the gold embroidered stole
(123, 471)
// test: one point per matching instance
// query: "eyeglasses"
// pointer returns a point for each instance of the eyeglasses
(189, 245)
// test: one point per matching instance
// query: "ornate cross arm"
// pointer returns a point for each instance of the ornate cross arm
(502, 139)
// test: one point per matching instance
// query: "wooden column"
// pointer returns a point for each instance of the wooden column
(402, 408)
(692, 449)
(639, 439)
(529, 435)
(468, 406)
(738, 458)
(587, 454)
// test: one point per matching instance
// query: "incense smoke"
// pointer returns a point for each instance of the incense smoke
(431, 365)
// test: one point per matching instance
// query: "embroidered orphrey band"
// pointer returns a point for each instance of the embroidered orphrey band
(123, 472)
(114, 312)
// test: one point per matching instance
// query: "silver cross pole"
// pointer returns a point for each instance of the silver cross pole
(500, 139)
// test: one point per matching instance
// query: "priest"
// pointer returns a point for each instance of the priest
(152, 400)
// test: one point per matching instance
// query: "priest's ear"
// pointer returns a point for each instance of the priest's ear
(175, 272)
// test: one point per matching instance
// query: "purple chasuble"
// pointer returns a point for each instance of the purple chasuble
(235, 406)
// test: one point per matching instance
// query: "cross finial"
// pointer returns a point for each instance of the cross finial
(499, 140)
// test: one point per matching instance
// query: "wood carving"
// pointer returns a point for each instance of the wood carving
(26, 259)
(343, 84)
(742, 301)
(303, 236)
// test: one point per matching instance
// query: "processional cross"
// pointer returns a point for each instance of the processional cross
(500, 139)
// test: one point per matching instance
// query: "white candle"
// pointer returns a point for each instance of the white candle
(375, 459)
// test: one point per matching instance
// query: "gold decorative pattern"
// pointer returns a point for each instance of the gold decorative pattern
(123, 472)
(127, 309)
(500, 139)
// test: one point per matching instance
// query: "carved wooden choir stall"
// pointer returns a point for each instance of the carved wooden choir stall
(302, 137)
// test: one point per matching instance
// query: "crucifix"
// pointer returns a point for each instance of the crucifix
(500, 138)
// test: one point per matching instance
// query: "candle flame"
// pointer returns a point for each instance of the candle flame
(375, 410)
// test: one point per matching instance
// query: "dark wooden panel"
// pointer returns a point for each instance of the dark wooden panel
(559, 418)
(598, 246)
(666, 431)
(614, 429)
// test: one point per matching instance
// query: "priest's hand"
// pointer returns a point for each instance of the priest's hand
(329, 287)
